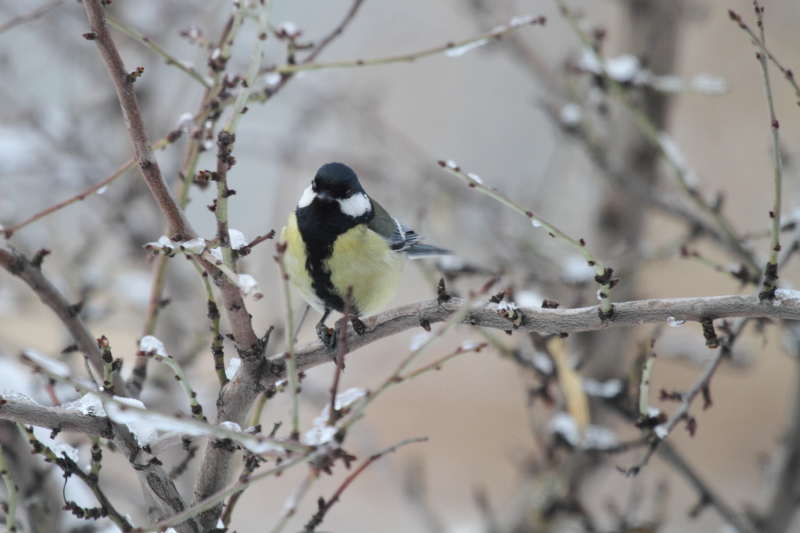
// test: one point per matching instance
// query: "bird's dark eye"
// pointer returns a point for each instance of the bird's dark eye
(348, 193)
(314, 185)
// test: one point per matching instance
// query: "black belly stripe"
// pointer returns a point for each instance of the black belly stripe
(319, 227)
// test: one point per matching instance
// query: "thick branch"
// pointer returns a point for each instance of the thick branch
(18, 265)
(143, 153)
(33, 414)
(486, 315)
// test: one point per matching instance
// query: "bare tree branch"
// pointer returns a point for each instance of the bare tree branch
(31, 273)
(33, 414)
(486, 315)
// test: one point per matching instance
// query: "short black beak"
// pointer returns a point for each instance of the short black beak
(325, 196)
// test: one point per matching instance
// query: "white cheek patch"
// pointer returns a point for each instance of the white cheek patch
(356, 206)
(307, 198)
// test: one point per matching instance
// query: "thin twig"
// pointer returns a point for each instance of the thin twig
(771, 269)
(333, 415)
(659, 140)
(291, 361)
(335, 33)
(32, 15)
(602, 274)
(325, 506)
(702, 382)
(18, 265)
(148, 43)
(787, 73)
(69, 467)
(456, 48)
(213, 500)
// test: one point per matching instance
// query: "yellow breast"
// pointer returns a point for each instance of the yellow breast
(362, 259)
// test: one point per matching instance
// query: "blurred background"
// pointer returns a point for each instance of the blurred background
(505, 111)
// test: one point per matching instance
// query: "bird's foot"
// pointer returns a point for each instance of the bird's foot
(358, 325)
(329, 337)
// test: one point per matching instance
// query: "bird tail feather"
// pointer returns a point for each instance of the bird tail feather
(418, 251)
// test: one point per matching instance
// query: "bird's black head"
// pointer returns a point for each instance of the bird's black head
(336, 197)
(335, 181)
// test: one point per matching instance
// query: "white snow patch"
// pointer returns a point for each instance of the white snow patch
(564, 424)
(571, 115)
(451, 262)
(196, 246)
(185, 122)
(590, 62)
(238, 240)
(602, 389)
(16, 396)
(673, 153)
(623, 68)
(272, 79)
(321, 432)
(289, 28)
(542, 362)
(88, 404)
(320, 435)
(248, 286)
(151, 344)
(233, 367)
(785, 295)
(674, 323)
(61, 449)
(49, 365)
(231, 426)
(576, 270)
(528, 299)
(141, 426)
(418, 340)
(475, 177)
(463, 49)
(708, 84)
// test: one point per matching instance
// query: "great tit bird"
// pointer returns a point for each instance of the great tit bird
(338, 237)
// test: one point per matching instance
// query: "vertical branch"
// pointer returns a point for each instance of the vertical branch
(11, 489)
(291, 363)
(143, 153)
(771, 270)
(227, 136)
(333, 416)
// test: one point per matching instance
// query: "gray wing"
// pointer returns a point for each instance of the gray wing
(404, 239)
(401, 238)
